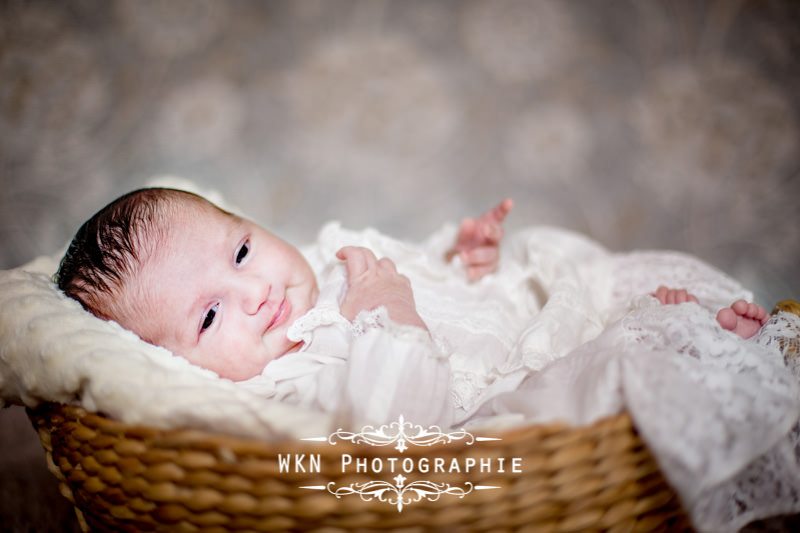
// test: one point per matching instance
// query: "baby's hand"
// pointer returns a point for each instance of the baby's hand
(478, 241)
(373, 283)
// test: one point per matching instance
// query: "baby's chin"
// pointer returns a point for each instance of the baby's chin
(277, 344)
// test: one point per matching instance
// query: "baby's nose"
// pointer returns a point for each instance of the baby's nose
(254, 293)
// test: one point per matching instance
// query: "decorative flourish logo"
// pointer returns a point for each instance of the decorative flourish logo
(403, 434)
(400, 494)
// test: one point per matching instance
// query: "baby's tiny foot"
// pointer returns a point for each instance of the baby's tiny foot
(742, 318)
(673, 296)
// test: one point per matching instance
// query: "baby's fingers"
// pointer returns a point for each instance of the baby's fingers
(499, 213)
(468, 234)
(491, 223)
(492, 232)
(475, 273)
(387, 264)
(480, 256)
(357, 260)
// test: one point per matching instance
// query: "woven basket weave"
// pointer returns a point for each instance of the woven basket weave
(131, 478)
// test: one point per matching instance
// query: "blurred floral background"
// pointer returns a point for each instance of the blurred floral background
(644, 124)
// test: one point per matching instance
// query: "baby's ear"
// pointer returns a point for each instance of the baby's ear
(185, 184)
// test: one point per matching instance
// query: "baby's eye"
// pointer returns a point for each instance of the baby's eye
(242, 253)
(209, 318)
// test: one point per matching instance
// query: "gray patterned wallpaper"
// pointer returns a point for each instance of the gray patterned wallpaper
(645, 124)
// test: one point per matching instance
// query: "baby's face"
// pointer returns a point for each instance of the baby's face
(221, 292)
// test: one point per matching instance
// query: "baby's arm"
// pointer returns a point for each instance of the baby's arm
(478, 241)
(373, 283)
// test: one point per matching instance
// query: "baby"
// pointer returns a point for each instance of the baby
(222, 292)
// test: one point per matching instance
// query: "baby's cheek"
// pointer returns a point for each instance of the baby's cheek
(198, 358)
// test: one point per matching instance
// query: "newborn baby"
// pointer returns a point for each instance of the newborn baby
(223, 292)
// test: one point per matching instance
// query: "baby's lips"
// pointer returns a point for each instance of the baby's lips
(280, 316)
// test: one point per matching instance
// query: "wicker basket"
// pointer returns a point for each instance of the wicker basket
(126, 478)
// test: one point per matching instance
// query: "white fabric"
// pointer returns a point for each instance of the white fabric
(564, 331)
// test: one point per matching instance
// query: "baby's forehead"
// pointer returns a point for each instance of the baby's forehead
(190, 211)
(171, 249)
(191, 204)
(184, 218)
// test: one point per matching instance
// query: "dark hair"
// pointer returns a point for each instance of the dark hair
(107, 248)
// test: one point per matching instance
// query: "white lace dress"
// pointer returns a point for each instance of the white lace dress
(563, 331)
(485, 336)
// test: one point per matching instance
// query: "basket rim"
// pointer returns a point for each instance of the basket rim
(184, 435)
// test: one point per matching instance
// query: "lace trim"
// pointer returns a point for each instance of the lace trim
(378, 318)
(466, 389)
(303, 328)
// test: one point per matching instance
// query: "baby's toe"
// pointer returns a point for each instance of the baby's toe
(760, 314)
(727, 318)
(661, 294)
(740, 307)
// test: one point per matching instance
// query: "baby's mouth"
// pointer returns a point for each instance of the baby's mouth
(284, 309)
